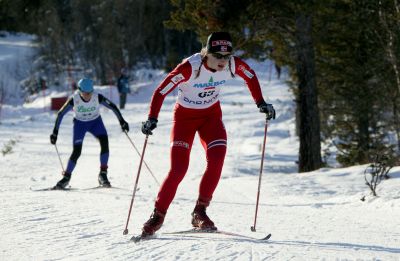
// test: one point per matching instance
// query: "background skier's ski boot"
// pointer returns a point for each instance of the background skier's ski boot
(200, 219)
(63, 183)
(103, 180)
(153, 224)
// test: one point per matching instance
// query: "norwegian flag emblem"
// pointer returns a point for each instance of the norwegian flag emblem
(221, 42)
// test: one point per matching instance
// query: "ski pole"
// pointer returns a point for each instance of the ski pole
(59, 158)
(253, 228)
(136, 182)
(158, 183)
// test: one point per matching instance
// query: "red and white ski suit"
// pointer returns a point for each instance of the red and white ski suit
(198, 110)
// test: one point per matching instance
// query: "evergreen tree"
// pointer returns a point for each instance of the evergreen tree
(290, 28)
(354, 105)
(102, 36)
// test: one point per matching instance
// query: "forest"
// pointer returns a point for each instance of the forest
(342, 56)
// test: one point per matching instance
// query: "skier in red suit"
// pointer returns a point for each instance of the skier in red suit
(199, 80)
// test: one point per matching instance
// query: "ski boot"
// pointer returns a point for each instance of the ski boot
(200, 220)
(63, 183)
(103, 180)
(153, 224)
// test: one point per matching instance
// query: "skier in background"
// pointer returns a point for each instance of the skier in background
(199, 79)
(86, 105)
(123, 87)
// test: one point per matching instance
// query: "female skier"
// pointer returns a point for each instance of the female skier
(199, 79)
(86, 105)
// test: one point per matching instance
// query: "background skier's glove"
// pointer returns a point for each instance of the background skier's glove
(124, 125)
(53, 138)
(268, 109)
(149, 125)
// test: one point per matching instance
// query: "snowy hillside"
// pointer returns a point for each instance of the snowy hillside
(16, 51)
(311, 216)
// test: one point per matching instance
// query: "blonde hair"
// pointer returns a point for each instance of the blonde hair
(203, 54)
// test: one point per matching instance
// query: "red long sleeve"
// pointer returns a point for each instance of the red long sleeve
(249, 76)
(180, 74)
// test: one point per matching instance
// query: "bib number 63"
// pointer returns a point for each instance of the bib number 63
(206, 93)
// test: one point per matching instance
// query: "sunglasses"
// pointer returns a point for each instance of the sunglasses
(221, 56)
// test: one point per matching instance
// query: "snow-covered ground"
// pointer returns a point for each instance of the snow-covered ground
(311, 216)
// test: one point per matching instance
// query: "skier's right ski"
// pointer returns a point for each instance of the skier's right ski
(107, 188)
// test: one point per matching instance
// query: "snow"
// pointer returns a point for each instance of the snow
(15, 63)
(311, 216)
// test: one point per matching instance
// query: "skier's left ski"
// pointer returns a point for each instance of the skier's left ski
(139, 238)
(205, 231)
(52, 188)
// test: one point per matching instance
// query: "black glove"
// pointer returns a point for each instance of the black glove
(149, 125)
(268, 109)
(124, 126)
(53, 137)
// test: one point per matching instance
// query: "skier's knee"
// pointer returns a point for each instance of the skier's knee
(76, 152)
(103, 144)
(216, 153)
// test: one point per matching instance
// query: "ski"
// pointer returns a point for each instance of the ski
(268, 236)
(75, 189)
(52, 188)
(137, 239)
(221, 232)
(140, 238)
(105, 188)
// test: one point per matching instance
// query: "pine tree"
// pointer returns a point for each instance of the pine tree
(354, 106)
(260, 26)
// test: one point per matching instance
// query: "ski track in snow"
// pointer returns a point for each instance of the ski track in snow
(312, 216)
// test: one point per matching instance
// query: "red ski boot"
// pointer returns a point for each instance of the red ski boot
(153, 224)
(200, 220)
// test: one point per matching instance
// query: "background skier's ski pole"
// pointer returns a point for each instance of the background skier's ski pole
(59, 158)
(253, 228)
(158, 183)
(136, 182)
